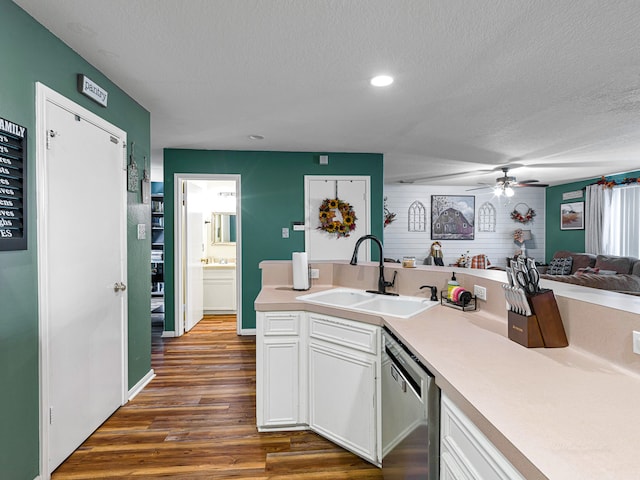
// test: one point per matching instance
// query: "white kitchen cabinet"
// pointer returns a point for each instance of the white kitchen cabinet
(219, 289)
(320, 372)
(466, 453)
(280, 359)
(344, 384)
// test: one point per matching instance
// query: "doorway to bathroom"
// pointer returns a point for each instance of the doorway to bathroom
(208, 245)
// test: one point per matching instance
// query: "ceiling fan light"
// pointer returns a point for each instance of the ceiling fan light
(381, 81)
(497, 190)
(509, 192)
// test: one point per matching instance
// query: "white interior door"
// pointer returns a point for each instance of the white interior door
(354, 190)
(194, 228)
(82, 259)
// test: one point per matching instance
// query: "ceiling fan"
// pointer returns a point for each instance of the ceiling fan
(505, 184)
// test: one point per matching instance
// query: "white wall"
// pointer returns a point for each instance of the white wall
(498, 245)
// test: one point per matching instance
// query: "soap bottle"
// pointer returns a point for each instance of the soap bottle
(451, 285)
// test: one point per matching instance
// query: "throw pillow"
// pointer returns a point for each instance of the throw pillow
(560, 266)
(611, 262)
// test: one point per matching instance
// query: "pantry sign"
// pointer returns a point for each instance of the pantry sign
(13, 183)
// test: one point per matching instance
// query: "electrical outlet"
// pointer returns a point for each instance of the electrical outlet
(315, 273)
(285, 232)
(480, 292)
(142, 231)
(636, 342)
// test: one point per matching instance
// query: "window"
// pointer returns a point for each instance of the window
(621, 226)
(417, 219)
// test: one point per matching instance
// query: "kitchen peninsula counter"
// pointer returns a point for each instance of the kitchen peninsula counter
(554, 413)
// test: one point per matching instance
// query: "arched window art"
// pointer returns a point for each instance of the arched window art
(487, 217)
(417, 217)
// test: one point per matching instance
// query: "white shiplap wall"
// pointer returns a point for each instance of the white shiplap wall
(399, 242)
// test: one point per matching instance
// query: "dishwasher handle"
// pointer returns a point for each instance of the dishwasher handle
(400, 370)
(398, 377)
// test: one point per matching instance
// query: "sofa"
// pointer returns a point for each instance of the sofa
(606, 272)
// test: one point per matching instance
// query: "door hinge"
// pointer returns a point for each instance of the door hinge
(50, 415)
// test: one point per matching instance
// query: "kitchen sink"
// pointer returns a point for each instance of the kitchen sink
(402, 306)
(340, 297)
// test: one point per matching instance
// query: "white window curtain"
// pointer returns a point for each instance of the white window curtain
(621, 225)
(596, 204)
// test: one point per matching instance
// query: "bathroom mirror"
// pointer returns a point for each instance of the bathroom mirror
(223, 228)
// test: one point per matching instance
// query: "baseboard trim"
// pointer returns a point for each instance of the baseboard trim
(248, 331)
(137, 388)
(168, 334)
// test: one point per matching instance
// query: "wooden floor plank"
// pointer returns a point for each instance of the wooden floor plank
(196, 420)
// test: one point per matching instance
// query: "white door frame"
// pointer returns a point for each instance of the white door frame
(311, 217)
(43, 95)
(178, 290)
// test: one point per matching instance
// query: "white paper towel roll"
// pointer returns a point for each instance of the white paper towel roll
(300, 271)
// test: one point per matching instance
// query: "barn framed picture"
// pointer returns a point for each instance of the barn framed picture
(452, 217)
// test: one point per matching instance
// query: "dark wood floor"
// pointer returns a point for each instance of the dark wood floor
(196, 419)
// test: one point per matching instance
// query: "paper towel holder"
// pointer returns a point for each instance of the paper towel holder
(301, 278)
(308, 282)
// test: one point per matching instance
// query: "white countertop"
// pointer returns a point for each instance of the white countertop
(555, 413)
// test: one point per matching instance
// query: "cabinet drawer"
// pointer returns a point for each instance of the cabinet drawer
(356, 335)
(281, 323)
(464, 445)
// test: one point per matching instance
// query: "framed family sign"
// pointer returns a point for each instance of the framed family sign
(13, 183)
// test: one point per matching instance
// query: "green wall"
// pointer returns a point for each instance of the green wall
(572, 240)
(272, 188)
(32, 54)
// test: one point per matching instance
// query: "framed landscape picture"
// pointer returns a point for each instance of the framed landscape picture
(452, 217)
(572, 216)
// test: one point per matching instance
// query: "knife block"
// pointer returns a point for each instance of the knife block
(543, 305)
(525, 330)
(543, 328)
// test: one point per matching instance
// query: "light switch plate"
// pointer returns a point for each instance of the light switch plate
(142, 231)
(636, 342)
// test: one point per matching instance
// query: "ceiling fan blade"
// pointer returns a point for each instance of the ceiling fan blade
(529, 181)
(531, 185)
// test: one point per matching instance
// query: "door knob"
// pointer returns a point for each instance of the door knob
(119, 286)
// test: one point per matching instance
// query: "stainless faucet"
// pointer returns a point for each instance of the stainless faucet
(382, 283)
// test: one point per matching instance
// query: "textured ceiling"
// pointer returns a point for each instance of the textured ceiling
(550, 86)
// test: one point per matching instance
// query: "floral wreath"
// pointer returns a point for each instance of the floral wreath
(328, 221)
(519, 217)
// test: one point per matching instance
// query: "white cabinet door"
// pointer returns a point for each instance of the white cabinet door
(280, 404)
(342, 397)
(219, 286)
(280, 401)
(465, 452)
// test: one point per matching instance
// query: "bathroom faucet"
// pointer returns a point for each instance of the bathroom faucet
(382, 283)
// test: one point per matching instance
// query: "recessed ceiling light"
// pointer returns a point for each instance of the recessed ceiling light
(256, 137)
(382, 81)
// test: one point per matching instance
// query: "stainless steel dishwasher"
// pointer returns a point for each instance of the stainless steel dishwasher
(410, 414)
